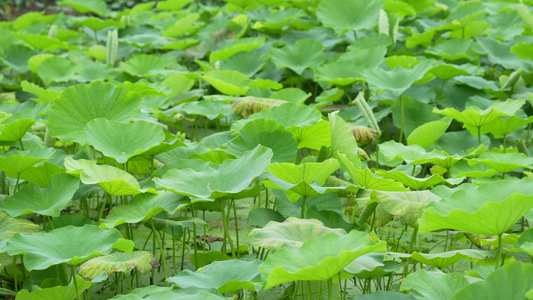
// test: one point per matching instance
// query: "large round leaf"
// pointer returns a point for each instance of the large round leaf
(232, 176)
(72, 245)
(266, 133)
(122, 141)
(10, 226)
(48, 201)
(142, 261)
(292, 231)
(317, 259)
(143, 65)
(349, 15)
(225, 276)
(57, 69)
(79, 104)
(306, 53)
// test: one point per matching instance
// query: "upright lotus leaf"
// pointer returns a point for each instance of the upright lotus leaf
(142, 261)
(503, 162)
(114, 181)
(97, 24)
(317, 259)
(397, 80)
(453, 49)
(248, 63)
(57, 69)
(9, 226)
(48, 201)
(228, 82)
(489, 209)
(416, 183)
(71, 291)
(512, 282)
(122, 141)
(445, 259)
(43, 95)
(406, 205)
(416, 155)
(143, 207)
(246, 106)
(433, 285)
(292, 231)
(304, 180)
(41, 173)
(343, 146)
(238, 45)
(314, 136)
(500, 53)
(340, 73)
(428, 134)
(143, 65)
(14, 128)
(183, 26)
(211, 109)
(91, 6)
(232, 176)
(344, 16)
(503, 126)
(289, 115)
(71, 245)
(81, 103)
(292, 95)
(15, 162)
(305, 53)
(365, 178)
(16, 57)
(225, 276)
(266, 133)
(448, 71)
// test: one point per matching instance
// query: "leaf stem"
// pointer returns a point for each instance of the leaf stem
(161, 248)
(499, 251)
(302, 212)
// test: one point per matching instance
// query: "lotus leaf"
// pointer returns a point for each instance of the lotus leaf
(292, 231)
(15, 162)
(503, 162)
(79, 104)
(142, 261)
(57, 69)
(71, 245)
(237, 46)
(246, 106)
(417, 183)
(306, 53)
(91, 6)
(353, 15)
(225, 276)
(445, 259)
(397, 80)
(228, 82)
(433, 285)
(72, 291)
(9, 226)
(317, 259)
(13, 129)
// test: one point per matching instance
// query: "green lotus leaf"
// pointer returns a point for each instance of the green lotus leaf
(146, 40)
(397, 80)
(228, 82)
(343, 146)
(209, 108)
(41, 173)
(57, 69)
(15, 162)
(185, 222)
(112, 180)
(341, 73)
(91, 6)
(182, 26)
(477, 82)
(79, 104)
(71, 245)
(142, 261)
(449, 71)
(45, 95)
(433, 285)
(314, 136)
(445, 259)
(416, 155)
(417, 183)
(247, 63)
(13, 128)
(239, 45)
(143, 207)
(523, 50)
(406, 205)
(266, 133)
(503, 162)
(502, 126)
(122, 141)
(232, 176)
(301, 180)
(172, 4)
(500, 53)
(292, 231)
(289, 115)
(489, 209)
(293, 95)
(225, 276)
(71, 291)
(510, 282)
(428, 134)
(9, 226)
(317, 259)
(42, 42)
(143, 65)
(365, 178)
(367, 262)
(305, 53)
(261, 216)
(35, 61)
(154, 292)
(48, 201)
(92, 71)
(143, 89)
(16, 57)
(453, 49)
(344, 16)
(246, 106)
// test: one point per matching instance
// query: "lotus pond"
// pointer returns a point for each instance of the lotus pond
(267, 149)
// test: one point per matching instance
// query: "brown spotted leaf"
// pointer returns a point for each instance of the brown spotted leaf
(246, 106)
(143, 261)
(363, 135)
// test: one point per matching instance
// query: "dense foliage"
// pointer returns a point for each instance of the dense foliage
(266, 149)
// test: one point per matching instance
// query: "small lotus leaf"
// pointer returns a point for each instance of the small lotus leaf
(232, 176)
(71, 245)
(142, 261)
(317, 259)
(225, 276)
(122, 141)
(292, 231)
(427, 134)
(48, 201)
(237, 46)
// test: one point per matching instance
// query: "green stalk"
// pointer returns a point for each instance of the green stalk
(296, 283)
(330, 289)
(403, 120)
(410, 250)
(237, 224)
(479, 136)
(195, 246)
(107, 199)
(173, 249)
(74, 279)
(162, 250)
(15, 276)
(499, 252)
(309, 291)
(302, 215)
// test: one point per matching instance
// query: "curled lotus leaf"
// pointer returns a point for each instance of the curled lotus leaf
(364, 135)
(142, 261)
(292, 231)
(246, 106)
